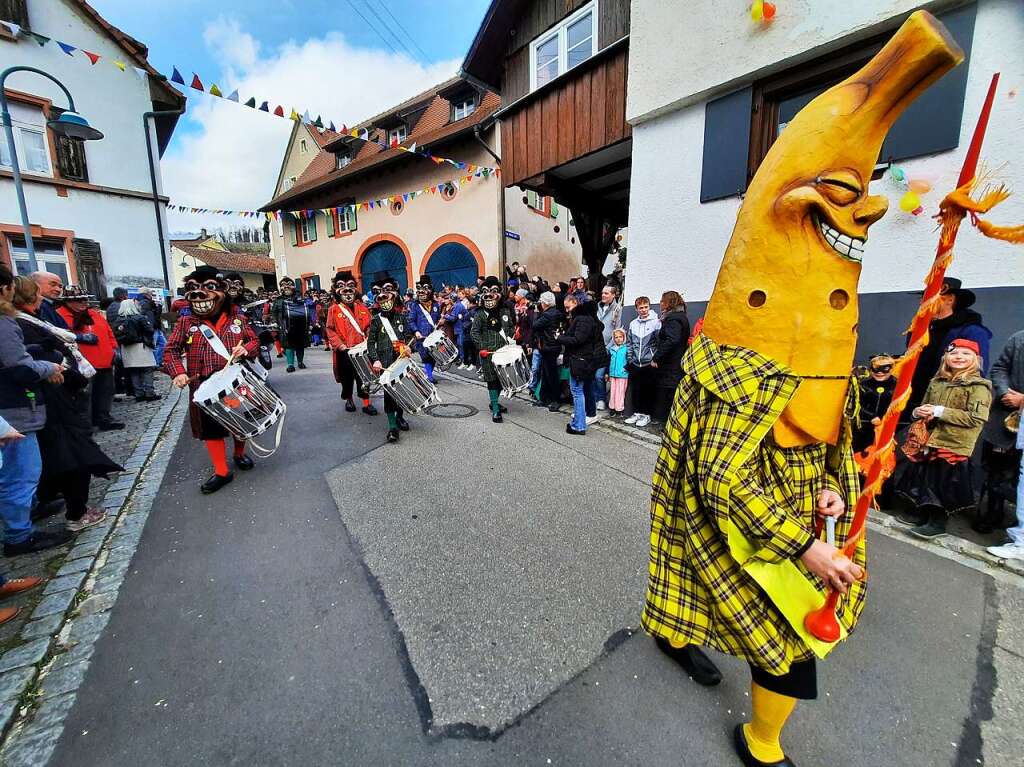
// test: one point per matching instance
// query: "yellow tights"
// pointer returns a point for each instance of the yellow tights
(770, 712)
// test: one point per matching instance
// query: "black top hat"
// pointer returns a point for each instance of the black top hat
(75, 293)
(964, 297)
(343, 275)
(204, 273)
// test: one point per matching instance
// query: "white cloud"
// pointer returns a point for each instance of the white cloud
(233, 160)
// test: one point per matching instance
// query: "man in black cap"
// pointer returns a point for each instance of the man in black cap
(953, 319)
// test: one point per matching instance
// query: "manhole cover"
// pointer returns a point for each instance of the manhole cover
(451, 410)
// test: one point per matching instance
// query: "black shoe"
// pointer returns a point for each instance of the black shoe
(934, 528)
(244, 462)
(48, 509)
(280, 356)
(110, 426)
(215, 483)
(38, 541)
(538, 403)
(553, 407)
(911, 518)
(302, 366)
(153, 397)
(693, 660)
(749, 760)
(349, 406)
(496, 417)
(369, 410)
(570, 430)
(402, 424)
(392, 435)
(290, 369)
(502, 409)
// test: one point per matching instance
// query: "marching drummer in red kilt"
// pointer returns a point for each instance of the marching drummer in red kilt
(191, 357)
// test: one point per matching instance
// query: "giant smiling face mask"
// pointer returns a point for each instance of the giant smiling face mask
(788, 283)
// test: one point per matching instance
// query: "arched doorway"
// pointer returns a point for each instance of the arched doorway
(452, 263)
(380, 259)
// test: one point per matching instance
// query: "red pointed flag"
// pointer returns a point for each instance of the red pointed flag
(93, 57)
(279, 111)
(196, 82)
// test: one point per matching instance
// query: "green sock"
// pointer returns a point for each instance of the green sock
(494, 400)
(392, 420)
(289, 357)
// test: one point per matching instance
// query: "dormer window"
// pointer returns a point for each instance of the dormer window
(463, 107)
(571, 42)
(396, 135)
(343, 160)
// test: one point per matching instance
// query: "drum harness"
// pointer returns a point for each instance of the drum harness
(218, 346)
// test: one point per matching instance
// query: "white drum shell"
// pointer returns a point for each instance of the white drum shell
(513, 369)
(439, 346)
(258, 407)
(408, 385)
(360, 357)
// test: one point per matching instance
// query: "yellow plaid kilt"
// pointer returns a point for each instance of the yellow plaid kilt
(722, 486)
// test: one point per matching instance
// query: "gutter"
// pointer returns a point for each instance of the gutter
(502, 249)
(156, 196)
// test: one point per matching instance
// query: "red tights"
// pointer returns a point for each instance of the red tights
(219, 455)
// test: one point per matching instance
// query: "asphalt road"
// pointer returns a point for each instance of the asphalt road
(467, 597)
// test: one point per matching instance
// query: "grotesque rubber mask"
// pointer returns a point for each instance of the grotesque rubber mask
(788, 283)
(205, 298)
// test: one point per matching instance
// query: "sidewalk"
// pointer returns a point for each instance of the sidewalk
(26, 641)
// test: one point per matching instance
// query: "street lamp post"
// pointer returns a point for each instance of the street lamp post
(70, 124)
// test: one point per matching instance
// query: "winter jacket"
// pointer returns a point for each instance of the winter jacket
(340, 333)
(188, 350)
(610, 316)
(673, 336)
(459, 318)
(965, 323)
(966, 404)
(100, 352)
(583, 342)
(1007, 373)
(546, 328)
(525, 316)
(617, 361)
(875, 398)
(642, 340)
(418, 322)
(379, 345)
(22, 401)
(491, 330)
(149, 310)
(48, 313)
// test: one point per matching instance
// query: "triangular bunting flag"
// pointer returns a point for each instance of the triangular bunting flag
(15, 28)
(215, 91)
(251, 103)
(93, 57)
(294, 115)
(196, 82)
(68, 49)
(331, 127)
(41, 39)
(318, 122)
(279, 111)
(119, 65)
(233, 96)
(176, 76)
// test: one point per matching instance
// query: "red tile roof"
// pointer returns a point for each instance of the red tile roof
(431, 127)
(231, 262)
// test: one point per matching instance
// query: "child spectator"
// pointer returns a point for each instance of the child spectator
(936, 480)
(618, 376)
(642, 342)
(875, 397)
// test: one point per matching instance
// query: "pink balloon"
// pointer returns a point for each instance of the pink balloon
(920, 186)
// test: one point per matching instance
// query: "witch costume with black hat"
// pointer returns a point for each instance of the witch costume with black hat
(294, 319)
(211, 317)
(493, 327)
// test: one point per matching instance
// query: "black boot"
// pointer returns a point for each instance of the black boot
(693, 660)
(350, 406)
(402, 423)
(244, 462)
(934, 527)
(215, 483)
(988, 520)
(496, 415)
(392, 435)
(369, 410)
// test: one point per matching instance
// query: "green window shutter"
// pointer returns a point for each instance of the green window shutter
(531, 199)
(312, 228)
(330, 225)
(554, 209)
(353, 222)
(295, 231)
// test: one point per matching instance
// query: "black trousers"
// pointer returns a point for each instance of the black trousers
(663, 397)
(642, 388)
(349, 378)
(122, 379)
(73, 486)
(550, 385)
(801, 681)
(390, 406)
(102, 396)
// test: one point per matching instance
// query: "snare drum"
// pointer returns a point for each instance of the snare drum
(239, 400)
(360, 359)
(408, 385)
(439, 346)
(513, 369)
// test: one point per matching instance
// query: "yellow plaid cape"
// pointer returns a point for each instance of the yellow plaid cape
(730, 510)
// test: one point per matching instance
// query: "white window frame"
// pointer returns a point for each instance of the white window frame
(42, 257)
(560, 31)
(19, 147)
(347, 221)
(308, 228)
(288, 183)
(463, 109)
(400, 134)
(343, 161)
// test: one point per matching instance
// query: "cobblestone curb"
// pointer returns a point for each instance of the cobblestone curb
(39, 678)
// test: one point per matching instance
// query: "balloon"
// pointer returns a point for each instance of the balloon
(757, 10)
(897, 173)
(920, 186)
(918, 210)
(769, 11)
(910, 202)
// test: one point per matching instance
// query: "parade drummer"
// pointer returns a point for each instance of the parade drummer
(388, 338)
(493, 327)
(348, 322)
(424, 317)
(294, 318)
(196, 350)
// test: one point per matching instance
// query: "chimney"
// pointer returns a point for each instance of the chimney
(203, 234)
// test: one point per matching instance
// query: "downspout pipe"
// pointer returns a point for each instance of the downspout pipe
(502, 250)
(156, 195)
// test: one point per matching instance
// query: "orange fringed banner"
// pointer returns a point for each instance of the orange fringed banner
(881, 456)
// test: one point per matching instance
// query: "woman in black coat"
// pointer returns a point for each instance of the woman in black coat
(672, 342)
(584, 353)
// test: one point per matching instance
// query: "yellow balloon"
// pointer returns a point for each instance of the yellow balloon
(757, 10)
(910, 202)
(920, 186)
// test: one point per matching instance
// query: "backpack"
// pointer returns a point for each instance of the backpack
(127, 332)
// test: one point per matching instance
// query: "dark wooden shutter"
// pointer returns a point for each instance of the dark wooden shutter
(16, 11)
(726, 145)
(932, 122)
(71, 159)
(89, 263)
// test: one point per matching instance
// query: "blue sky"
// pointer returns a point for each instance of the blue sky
(317, 54)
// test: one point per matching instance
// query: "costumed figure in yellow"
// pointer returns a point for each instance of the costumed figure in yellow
(757, 450)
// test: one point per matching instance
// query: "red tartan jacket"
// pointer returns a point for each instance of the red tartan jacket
(340, 333)
(200, 360)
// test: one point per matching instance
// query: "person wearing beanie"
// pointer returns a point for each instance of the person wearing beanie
(388, 338)
(347, 323)
(424, 318)
(493, 328)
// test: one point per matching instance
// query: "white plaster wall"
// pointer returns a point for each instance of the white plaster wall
(555, 255)
(677, 243)
(112, 101)
(684, 51)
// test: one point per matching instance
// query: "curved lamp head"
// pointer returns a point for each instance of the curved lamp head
(73, 125)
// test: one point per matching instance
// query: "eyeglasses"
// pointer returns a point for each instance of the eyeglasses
(210, 285)
(345, 285)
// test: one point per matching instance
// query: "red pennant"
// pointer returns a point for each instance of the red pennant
(196, 82)
(279, 111)
(93, 57)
